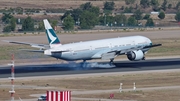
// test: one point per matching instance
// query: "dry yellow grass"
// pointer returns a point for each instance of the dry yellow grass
(43, 4)
(105, 82)
(170, 47)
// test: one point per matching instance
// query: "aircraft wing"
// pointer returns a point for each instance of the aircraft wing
(40, 46)
(155, 45)
(124, 51)
(109, 54)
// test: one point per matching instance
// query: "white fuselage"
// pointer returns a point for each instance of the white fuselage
(94, 49)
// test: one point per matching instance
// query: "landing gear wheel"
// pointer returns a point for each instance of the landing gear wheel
(144, 58)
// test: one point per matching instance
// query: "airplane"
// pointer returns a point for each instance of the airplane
(135, 47)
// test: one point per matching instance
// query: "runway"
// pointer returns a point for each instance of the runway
(75, 68)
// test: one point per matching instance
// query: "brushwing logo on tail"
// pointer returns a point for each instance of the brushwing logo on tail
(51, 37)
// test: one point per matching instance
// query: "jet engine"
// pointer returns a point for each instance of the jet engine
(135, 55)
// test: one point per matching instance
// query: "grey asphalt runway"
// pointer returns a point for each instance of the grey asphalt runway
(90, 67)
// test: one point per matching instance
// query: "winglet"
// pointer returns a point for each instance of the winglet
(51, 35)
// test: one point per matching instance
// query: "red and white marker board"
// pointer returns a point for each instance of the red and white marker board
(58, 95)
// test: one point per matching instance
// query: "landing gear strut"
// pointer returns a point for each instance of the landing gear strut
(83, 63)
(111, 61)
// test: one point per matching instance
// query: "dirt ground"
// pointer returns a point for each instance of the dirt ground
(44, 4)
(65, 3)
(151, 86)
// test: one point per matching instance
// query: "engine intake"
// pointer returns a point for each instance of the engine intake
(135, 55)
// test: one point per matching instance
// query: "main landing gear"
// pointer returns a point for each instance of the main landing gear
(144, 58)
(83, 64)
(111, 61)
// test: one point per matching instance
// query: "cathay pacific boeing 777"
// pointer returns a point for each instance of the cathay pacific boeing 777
(135, 47)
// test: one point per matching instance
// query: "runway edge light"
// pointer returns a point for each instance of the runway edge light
(120, 88)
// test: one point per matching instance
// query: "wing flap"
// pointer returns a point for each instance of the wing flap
(59, 51)
(107, 56)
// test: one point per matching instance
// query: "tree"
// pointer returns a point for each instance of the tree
(13, 23)
(95, 10)
(68, 23)
(6, 18)
(129, 2)
(120, 19)
(154, 2)
(156, 8)
(147, 16)
(177, 5)
(10, 22)
(28, 24)
(169, 6)
(128, 10)
(177, 16)
(150, 22)
(66, 14)
(7, 28)
(144, 3)
(109, 5)
(138, 14)
(88, 20)
(110, 20)
(131, 21)
(163, 6)
(161, 15)
(53, 23)
(76, 14)
(155, 5)
(86, 6)
(40, 26)
(102, 20)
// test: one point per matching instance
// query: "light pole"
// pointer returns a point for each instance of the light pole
(105, 19)
(78, 22)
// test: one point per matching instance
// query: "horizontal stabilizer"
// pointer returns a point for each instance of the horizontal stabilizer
(30, 50)
(40, 46)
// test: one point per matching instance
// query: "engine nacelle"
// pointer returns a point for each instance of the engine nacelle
(135, 55)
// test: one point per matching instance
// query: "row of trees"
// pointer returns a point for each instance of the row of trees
(10, 23)
(87, 16)
(155, 4)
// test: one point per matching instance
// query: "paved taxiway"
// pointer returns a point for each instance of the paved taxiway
(74, 68)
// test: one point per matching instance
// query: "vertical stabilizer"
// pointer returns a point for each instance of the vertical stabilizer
(51, 35)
